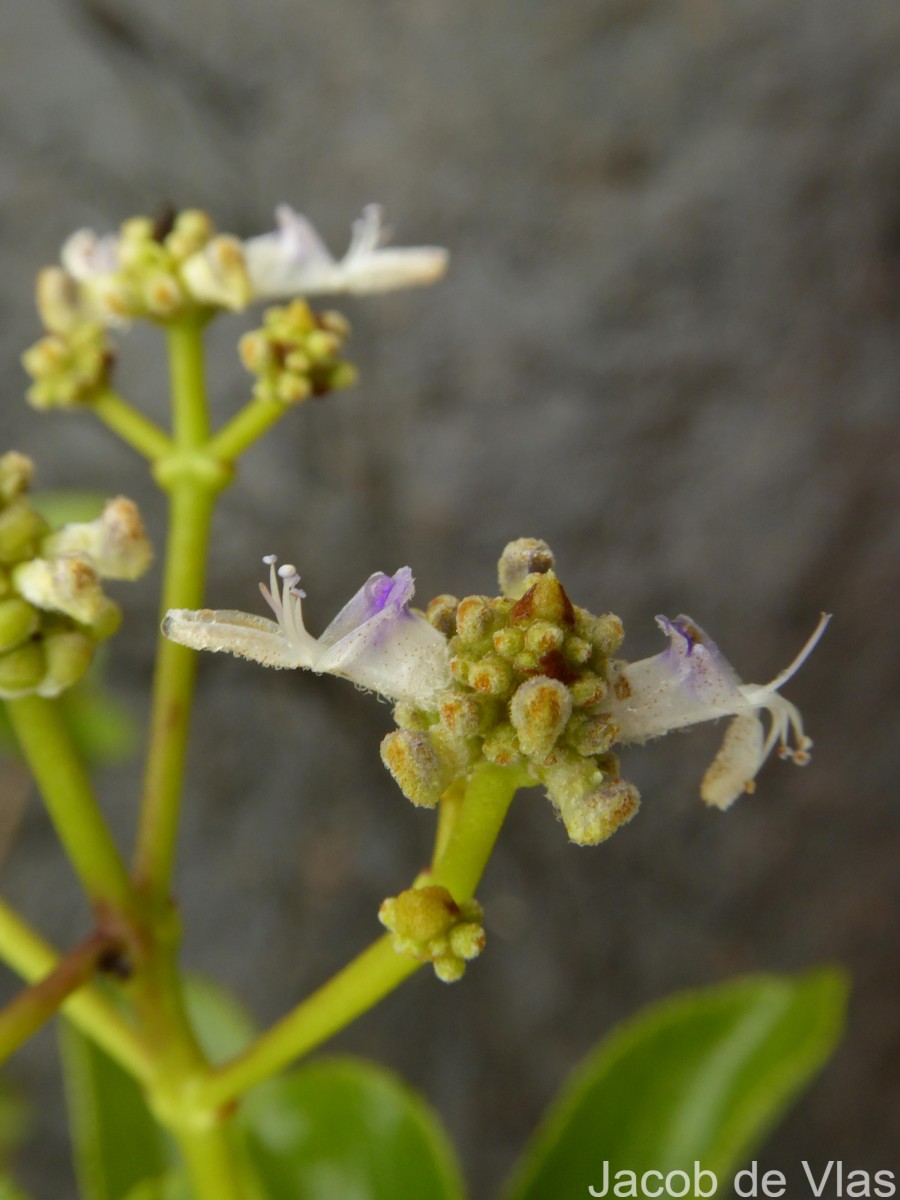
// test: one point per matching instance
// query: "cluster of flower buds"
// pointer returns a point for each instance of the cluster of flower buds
(296, 354)
(53, 611)
(428, 925)
(530, 682)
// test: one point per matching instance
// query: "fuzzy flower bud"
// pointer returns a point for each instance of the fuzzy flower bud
(296, 354)
(414, 763)
(539, 711)
(68, 368)
(594, 816)
(18, 621)
(430, 926)
(16, 473)
(217, 274)
(524, 557)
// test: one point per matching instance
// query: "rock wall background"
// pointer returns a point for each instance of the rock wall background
(668, 345)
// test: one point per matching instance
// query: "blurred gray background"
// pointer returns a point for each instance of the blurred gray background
(668, 344)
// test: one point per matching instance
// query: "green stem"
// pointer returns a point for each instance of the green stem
(131, 426)
(191, 508)
(192, 480)
(245, 428)
(187, 376)
(212, 1164)
(64, 784)
(32, 958)
(379, 969)
(38, 1004)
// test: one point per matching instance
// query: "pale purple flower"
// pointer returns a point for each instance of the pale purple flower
(295, 261)
(375, 641)
(691, 681)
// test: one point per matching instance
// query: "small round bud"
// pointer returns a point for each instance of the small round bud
(414, 763)
(592, 735)
(539, 711)
(68, 654)
(524, 557)
(542, 637)
(21, 529)
(490, 675)
(441, 613)
(588, 690)
(217, 274)
(474, 619)
(501, 746)
(18, 621)
(577, 651)
(21, 670)
(508, 641)
(16, 473)
(461, 716)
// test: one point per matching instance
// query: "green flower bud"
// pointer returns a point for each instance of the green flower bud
(192, 230)
(21, 529)
(543, 638)
(16, 473)
(21, 670)
(474, 619)
(596, 815)
(490, 675)
(501, 746)
(68, 654)
(588, 689)
(18, 621)
(414, 763)
(539, 711)
(461, 716)
(107, 621)
(545, 599)
(217, 274)
(591, 735)
(428, 924)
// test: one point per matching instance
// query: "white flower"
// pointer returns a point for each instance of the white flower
(295, 261)
(375, 641)
(85, 255)
(691, 681)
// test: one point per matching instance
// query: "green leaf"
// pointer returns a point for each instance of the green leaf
(173, 1186)
(115, 1141)
(223, 1026)
(700, 1077)
(10, 1190)
(342, 1129)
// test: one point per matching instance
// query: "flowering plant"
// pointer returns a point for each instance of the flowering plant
(492, 694)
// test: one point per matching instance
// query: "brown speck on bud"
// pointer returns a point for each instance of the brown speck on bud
(461, 716)
(546, 599)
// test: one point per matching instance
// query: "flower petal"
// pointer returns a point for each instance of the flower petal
(242, 634)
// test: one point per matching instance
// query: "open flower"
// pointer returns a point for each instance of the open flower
(691, 681)
(375, 641)
(295, 261)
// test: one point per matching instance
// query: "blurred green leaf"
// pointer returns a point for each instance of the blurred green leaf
(700, 1077)
(116, 1143)
(343, 1129)
(11, 1191)
(223, 1026)
(173, 1186)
